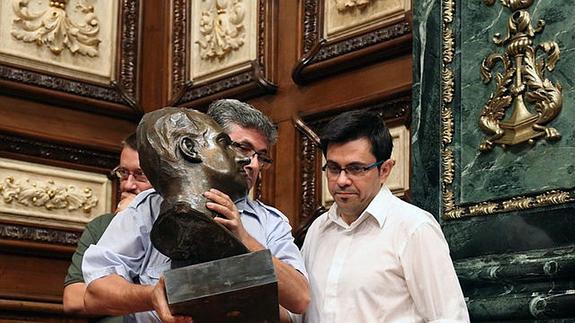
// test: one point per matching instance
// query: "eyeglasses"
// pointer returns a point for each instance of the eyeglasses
(333, 170)
(123, 174)
(247, 151)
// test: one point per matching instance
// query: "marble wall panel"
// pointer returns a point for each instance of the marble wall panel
(521, 169)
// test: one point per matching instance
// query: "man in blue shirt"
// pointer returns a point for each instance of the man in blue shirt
(123, 270)
(132, 182)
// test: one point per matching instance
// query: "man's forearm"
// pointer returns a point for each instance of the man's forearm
(113, 295)
(73, 298)
(292, 286)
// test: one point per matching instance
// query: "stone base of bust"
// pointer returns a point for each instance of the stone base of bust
(236, 289)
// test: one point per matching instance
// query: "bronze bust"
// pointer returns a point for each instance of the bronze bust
(184, 153)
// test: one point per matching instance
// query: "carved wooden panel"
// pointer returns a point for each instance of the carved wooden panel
(222, 49)
(36, 193)
(343, 34)
(30, 233)
(82, 53)
(33, 149)
(40, 225)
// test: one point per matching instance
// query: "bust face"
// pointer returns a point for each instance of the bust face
(185, 152)
(222, 165)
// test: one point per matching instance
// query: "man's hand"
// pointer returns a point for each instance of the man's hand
(160, 303)
(127, 197)
(114, 295)
(292, 285)
(223, 205)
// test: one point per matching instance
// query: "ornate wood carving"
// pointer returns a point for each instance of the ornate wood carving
(16, 145)
(56, 29)
(117, 97)
(311, 21)
(24, 148)
(258, 79)
(43, 235)
(222, 30)
(129, 42)
(353, 44)
(322, 57)
(48, 195)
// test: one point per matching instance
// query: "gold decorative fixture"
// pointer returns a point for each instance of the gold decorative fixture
(522, 81)
(55, 29)
(48, 195)
(222, 29)
(451, 209)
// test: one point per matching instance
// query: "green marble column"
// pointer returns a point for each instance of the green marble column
(511, 202)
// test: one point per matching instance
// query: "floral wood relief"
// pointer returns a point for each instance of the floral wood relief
(47, 195)
(344, 5)
(56, 29)
(222, 29)
(522, 81)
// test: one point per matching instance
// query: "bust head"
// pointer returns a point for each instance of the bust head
(184, 153)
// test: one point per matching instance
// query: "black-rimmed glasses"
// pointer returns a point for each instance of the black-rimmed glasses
(123, 173)
(333, 170)
(247, 151)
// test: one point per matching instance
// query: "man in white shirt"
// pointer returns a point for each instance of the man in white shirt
(373, 257)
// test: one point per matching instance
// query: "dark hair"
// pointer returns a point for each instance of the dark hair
(228, 112)
(130, 142)
(358, 124)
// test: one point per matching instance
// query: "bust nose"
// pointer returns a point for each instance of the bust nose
(243, 160)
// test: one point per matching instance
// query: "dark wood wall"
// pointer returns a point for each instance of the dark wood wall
(54, 128)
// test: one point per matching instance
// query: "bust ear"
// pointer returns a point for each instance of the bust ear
(187, 148)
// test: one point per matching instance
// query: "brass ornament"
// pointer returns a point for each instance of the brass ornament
(447, 123)
(454, 213)
(483, 208)
(449, 88)
(448, 11)
(447, 126)
(521, 82)
(448, 165)
(222, 29)
(548, 198)
(449, 46)
(517, 203)
(55, 29)
(450, 208)
(47, 195)
(553, 198)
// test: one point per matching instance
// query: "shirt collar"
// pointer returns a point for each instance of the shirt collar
(245, 205)
(378, 208)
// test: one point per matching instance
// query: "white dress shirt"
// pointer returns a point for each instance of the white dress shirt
(392, 264)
